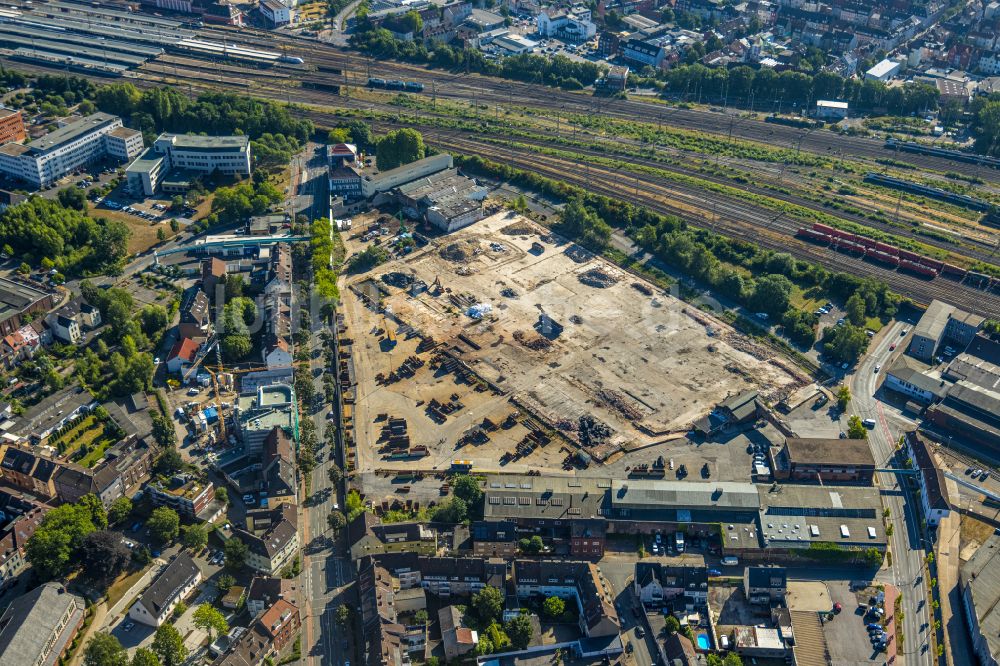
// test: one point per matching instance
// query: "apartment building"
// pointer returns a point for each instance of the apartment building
(74, 145)
(11, 126)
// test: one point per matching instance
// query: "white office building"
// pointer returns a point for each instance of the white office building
(229, 155)
(74, 145)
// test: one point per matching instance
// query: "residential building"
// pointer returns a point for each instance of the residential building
(277, 354)
(11, 126)
(184, 494)
(26, 469)
(73, 482)
(942, 322)
(69, 321)
(37, 627)
(494, 538)
(24, 343)
(74, 145)
(341, 153)
(182, 355)
(213, 274)
(979, 584)
(20, 516)
(458, 640)
(933, 489)
(264, 591)
(580, 582)
(345, 181)
(657, 583)
(171, 155)
(825, 460)
(914, 380)
(639, 53)
(257, 415)
(196, 316)
(616, 79)
(267, 638)
(275, 12)
(571, 24)
(171, 587)
(366, 535)
(17, 299)
(271, 537)
(765, 585)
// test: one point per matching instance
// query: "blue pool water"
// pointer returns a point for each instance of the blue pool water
(703, 642)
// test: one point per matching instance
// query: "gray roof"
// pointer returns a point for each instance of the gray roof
(169, 583)
(146, 162)
(932, 478)
(72, 131)
(30, 622)
(911, 371)
(976, 396)
(933, 321)
(820, 451)
(980, 578)
(774, 578)
(544, 497)
(206, 143)
(651, 494)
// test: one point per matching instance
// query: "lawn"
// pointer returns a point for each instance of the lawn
(123, 585)
(143, 231)
(87, 427)
(95, 453)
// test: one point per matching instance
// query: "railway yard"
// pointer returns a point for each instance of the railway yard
(564, 348)
(735, 174)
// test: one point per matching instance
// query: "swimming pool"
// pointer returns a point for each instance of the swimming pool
(703, 642)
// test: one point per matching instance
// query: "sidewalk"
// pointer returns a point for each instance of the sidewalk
(891, 594)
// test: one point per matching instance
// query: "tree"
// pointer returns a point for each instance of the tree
(73, 197)
(104, 556)
(855, 308)
(209, 618)
(843, 397)
(421, 616)
(54, 545)
(236, 554)
(584, 225)
(105, 650)
(144, 657)
(856, 429)
(164, 523)
(732, 659)
(399, 147)
(467, 487)
(844, 343)
(169, 462)
(673, 625)
(334, 473)
(119, 510)
(342, 615)
(553, 607)
(169, 645)
(519, 629)
(194, 536)
(225, 583)
(771, 294)
(336, 520)
(236, 347)
(531, 546)
(222, 494)
(353, 504)
(487, 604)
(164, 432)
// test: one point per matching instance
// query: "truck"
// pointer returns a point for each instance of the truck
(679, 541)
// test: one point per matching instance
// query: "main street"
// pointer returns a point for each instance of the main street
(908, 544)
(325, 573)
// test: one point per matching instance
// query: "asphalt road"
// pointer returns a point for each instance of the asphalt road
(908, 543)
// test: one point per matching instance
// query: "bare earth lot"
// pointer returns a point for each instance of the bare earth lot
(614, 348)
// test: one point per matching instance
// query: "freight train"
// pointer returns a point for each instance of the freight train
(963, 200)
(407, 86)
(889, 255)
(957, 155)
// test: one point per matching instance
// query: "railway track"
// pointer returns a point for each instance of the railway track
(470, 87)
(733, 219)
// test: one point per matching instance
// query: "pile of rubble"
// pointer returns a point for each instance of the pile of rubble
(595, 277)
(642, 288)
(591, 431)
(397, 279)
(520, 228)
(535, 342)
(453, 252)
(507, 292)
(619, 403)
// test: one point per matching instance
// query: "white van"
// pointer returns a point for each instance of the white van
(869, 423)
(730, 561)
(679, 541)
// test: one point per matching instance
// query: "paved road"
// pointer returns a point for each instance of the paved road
(908, 542)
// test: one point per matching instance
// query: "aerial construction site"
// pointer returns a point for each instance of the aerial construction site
(505, 345)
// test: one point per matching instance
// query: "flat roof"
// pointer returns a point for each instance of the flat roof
(199, 142)
(652, 494)
(831, 104)
(17, 296)
(72, 131)
(146, 162)
(824, 451)
(882, 68)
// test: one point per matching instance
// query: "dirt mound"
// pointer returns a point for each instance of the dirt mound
(595, 277)
(535, 342)
(453, 252)
(519, 228)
